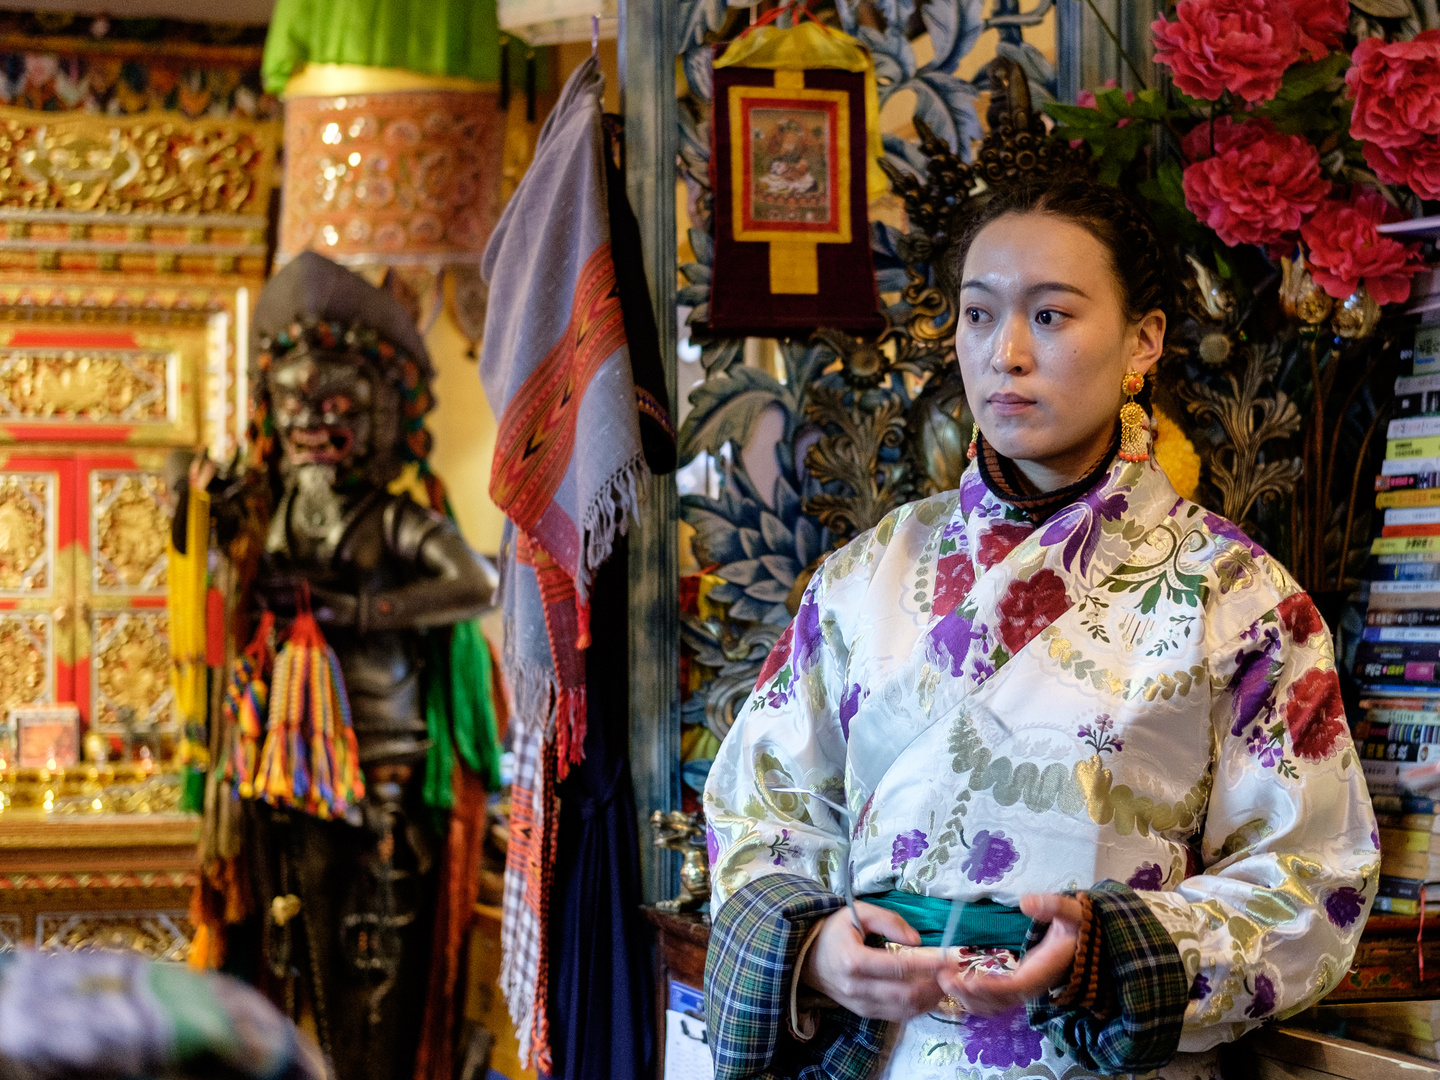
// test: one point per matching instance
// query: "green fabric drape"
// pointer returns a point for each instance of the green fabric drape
(432, 37)
(459, 712)
(984, 924)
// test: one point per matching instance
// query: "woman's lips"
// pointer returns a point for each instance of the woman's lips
(1010, 404)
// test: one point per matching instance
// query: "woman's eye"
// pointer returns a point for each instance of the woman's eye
(1048, 317)
(973, 315)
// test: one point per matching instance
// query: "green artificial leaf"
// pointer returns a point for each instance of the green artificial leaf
(1222, 264)
(1302, 80)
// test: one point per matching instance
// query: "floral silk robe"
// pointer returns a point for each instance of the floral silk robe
(1132, 690)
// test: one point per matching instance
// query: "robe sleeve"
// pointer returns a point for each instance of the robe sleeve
(778, 844)
(772, 797)
(1289, 849)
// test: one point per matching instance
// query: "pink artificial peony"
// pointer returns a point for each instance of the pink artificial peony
(1396, 87)
(1321, 25)
(1258, 186)
(1243, 46)
(1347, 250)
(1417, 166)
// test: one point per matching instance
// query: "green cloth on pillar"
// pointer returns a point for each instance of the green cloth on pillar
(431, 37)
(459, 711)
(984, 924)
(472, 697)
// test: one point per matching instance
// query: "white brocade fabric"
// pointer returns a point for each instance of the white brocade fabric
(1132, 690)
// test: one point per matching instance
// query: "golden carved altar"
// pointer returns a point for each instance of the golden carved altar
(131, 250)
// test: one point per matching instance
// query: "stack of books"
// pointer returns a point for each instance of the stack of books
(1397, 661)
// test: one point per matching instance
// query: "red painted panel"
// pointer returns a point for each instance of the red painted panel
(67, 338)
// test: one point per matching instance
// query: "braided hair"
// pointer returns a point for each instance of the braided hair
(1140, 263)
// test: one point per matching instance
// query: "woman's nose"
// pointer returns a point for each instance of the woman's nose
(1012, 348)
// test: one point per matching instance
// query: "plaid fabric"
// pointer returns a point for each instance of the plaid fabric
(748, 973)
(525, 901)
(1147, 978)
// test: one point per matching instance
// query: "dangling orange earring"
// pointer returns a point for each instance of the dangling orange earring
(974, 447)
(1134, 424)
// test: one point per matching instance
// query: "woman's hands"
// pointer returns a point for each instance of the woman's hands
(1043, 968)
(884, 985)
(878, 984)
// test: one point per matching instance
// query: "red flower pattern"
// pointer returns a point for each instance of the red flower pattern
(1030, 606)
(1314, 715)
(954, 578)
(778, 655)
(1300, 618)
(1000, 539)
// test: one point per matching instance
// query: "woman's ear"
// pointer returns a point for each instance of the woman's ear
(1149, 341)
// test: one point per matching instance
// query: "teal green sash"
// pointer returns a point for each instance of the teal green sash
(983, 924)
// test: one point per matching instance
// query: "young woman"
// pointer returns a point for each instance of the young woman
(1096, 715)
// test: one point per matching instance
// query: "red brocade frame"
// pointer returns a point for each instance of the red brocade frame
(806, 262)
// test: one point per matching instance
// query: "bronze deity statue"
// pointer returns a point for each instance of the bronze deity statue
(340, 389)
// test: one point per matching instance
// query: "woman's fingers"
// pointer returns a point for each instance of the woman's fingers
(888, 924)
(1048, 907)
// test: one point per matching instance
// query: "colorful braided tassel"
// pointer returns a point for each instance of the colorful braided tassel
(310, 760)
(247, 698)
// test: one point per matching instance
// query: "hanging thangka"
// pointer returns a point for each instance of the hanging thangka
(794, 164)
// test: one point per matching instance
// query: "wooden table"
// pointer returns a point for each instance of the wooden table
(680, 944)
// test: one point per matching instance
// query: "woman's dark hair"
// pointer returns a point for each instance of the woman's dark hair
(1140, 262)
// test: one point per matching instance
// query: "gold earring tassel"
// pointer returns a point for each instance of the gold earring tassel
(974, 447)
(1134, 424)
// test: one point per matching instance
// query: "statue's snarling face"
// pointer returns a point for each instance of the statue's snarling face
(328, 410)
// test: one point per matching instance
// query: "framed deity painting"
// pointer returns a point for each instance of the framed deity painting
(788, 168)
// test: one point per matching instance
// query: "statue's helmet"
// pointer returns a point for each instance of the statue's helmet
(339, 375)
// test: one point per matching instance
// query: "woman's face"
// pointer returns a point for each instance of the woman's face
(1043, 342)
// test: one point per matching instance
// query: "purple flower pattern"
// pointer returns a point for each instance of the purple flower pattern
(1267, 750)
(781, 847)
(1254, 682)
(1343, 906)
(1218, 526)
(1001, 1042)
(1262, 1002)
(1147, 876)
(849, 706)
(907, 846)
(991, 857)
(1200, 988)
(807, 632)
(1079, 524)
(712, 845)
(950, 637)
(1098, 735)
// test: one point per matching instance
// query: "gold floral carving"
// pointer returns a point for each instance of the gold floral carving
(130, 528)
(130, 662)
(27, 502)
(110, 385)
(157, 935)
(26, 647)
(141, 165)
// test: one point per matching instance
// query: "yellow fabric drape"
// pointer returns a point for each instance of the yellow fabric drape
(187, 574)
(806, 47)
